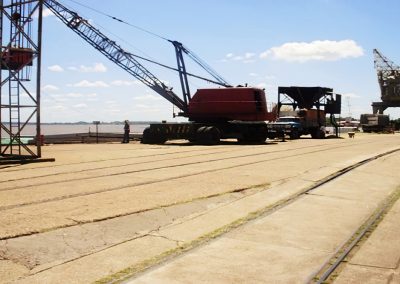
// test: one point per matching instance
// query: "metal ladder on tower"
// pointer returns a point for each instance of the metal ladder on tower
(14, 91)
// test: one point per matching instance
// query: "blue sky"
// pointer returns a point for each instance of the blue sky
(263, 43)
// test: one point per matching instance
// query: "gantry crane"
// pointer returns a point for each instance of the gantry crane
(389, 82)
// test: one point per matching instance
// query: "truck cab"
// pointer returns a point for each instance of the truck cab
(289, 125)
(305, 122)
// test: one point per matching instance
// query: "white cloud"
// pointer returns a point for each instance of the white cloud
(147, 97)
(146, 109)
(261, 85)
(50, 88)
(96, 68)
(55, 68)
(142, 106)
(253, 75)
(125, 83)
(246, 58)
(92, 98)
(88, 84)
(112, 110)
(82, 105)
(249, 55)
(59, 98)
(325, 50)
(56, 107)
(74, 95)
(47, 12)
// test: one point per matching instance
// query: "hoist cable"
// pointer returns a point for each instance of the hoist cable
(205, 66)
(119, 20)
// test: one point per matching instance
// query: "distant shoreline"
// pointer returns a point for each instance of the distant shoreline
(79, 127)
(91, 123)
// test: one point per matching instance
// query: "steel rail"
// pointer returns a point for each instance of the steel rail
(269, 210)
(154, 155)
(161, 167)
(350, 245)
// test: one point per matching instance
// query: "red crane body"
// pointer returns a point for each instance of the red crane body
(227, 104)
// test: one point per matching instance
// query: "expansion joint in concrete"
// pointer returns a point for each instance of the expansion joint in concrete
(372, 266)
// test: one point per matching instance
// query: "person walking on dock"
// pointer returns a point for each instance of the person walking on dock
(126, 132)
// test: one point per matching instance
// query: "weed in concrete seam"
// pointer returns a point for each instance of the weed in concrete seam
(387, 203)
(262, 186)
(140, 267)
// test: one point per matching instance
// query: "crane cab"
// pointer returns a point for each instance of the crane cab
(16, 58)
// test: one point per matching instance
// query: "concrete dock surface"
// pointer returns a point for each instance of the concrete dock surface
(183, 213)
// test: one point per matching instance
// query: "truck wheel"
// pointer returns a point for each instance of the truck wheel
(314, 133)
(317, 134)
(294, 134)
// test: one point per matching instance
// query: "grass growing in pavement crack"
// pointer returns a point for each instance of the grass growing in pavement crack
(143, 265)
(369, 225)
(261, 187)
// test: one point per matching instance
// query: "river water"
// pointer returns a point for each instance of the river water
(53, 129)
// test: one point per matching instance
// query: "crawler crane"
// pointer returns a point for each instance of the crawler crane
(213, 114)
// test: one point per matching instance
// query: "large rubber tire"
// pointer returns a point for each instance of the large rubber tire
(150, 137)
(146, 137)
(208, 135)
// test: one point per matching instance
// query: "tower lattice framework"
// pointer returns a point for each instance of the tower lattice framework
(20, 30)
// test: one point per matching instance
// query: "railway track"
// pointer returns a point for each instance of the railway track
(328, 268)
(327, 272)
(32, 184)
(284, 202)
(198, 152)
(68, 195)
(32, 178)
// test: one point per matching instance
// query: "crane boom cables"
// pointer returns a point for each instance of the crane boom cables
(119, 20)
(113, 51)
(175, 69)
(219, 80)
